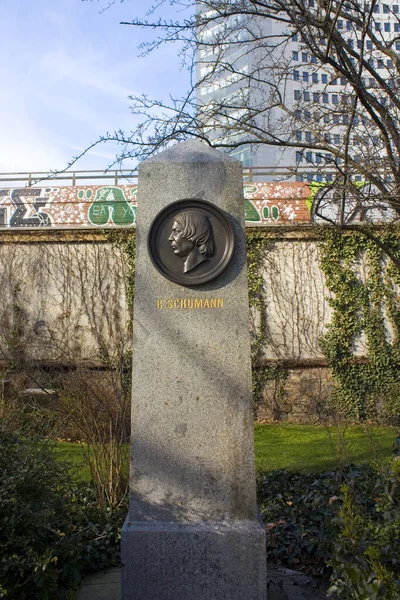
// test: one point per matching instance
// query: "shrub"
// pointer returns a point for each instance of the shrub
(50, 534)
(298, 511)
(344, 525)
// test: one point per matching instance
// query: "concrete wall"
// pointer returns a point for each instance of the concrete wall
(63, 303)
(62, 298)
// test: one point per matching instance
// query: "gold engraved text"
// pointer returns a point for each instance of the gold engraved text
(189, 303)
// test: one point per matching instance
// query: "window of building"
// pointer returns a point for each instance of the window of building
(294, 37)
(380, 64)
(299, 135)
(313, 59)
(369, 45)
(334, 81)
(295, 55)
(328, 138)
(306, 96)
(345, 119)
(304, 57)
(308, 136)
(371, 82)
(348, 25)
(307, 115)
(335, 99)
(397, 27)
(359, 44)
(335, 119)
(376, 8)
(318, 157)
(340, 24)
(299, 156)
(311, 3)
(324, 77)
(297, 94)
(336, 139)
(323, 41)
(309, 176)
(390, 64)
(319, 177)
(309, 156)
(326, 118)
(315, 78)
(398, 46)
(296, 76)
(315, 97)
(305, 76)
(378, 26)
(343, 81)
(387, 26)
(325, 98)
(329, 177)
(395, 9)
(386, 9)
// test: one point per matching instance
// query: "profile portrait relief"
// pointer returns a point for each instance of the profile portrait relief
(192, 238)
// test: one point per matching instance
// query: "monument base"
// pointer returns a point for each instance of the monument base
(205, 561)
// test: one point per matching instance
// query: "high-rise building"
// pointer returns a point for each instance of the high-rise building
(258, 82)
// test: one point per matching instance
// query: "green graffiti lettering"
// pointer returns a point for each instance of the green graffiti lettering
(110, 204)
(250, 212)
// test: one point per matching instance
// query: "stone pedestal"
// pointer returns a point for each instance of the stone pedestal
(192, 532)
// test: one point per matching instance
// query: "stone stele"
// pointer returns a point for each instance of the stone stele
(193, 531)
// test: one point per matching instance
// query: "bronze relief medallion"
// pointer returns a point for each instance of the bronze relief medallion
(191, 242)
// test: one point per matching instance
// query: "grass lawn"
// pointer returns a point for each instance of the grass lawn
(74, 454)
(301, 448)
(312, 448)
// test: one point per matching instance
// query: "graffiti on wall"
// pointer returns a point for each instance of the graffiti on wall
(276, 202)
(115, 206)
(58, 207)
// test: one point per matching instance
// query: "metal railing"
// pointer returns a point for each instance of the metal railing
(119, 177)
(129, 176)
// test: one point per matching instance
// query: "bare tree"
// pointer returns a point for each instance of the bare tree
(320, 77)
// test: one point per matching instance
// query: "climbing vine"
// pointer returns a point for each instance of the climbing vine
(257, 244)
(366, 302)
(125, 239)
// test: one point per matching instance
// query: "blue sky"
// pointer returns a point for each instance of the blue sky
(66, 71)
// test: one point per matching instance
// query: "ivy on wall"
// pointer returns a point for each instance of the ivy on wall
(125, 240)
(365, 299)
(257, 244)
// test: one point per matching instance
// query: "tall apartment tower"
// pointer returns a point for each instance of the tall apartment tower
(256, 72)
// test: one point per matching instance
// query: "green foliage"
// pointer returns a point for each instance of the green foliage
(363, 305)
(298, 515)
(366, 556)
(343, 524)
(50, 533)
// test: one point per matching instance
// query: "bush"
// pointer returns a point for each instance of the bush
(50, 533)
(366, 555)
(298, 511)
(344, 525)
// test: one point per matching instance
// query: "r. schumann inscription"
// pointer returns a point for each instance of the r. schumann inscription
(190, 303)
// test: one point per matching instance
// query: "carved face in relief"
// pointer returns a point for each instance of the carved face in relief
(192, 238)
